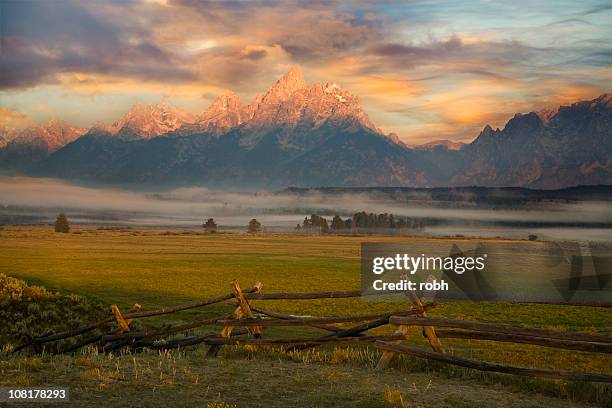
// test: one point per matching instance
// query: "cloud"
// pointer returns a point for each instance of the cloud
(11, 119)
(44, 39)
(453, 54)
(398, 57)
(254, 54)
(307, 31)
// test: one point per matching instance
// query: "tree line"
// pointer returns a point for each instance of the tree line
(360, 220)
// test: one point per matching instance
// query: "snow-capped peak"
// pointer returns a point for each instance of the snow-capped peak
(331, 87)
(148, 121)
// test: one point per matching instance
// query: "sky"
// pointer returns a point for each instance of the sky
(425, 70)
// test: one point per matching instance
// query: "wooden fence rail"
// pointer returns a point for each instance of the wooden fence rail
(484, 366)
(224, 321)
(518, 338)
(249, 294)
(499, 328)
(135, 315)
(248, 319)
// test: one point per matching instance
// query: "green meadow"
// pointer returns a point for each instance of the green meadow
(157, 267)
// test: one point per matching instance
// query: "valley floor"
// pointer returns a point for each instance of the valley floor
(158, 268)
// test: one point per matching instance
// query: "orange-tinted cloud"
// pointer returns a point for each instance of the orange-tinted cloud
(10, 119)
(422, 70)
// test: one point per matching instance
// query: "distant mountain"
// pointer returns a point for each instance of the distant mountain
(569, 147)
(291, 103)
(54, 134)
(496, 197)
(294, 133)
(21, 149)
(445, 144)
(225, 113)
(149, 121)
(318, 135)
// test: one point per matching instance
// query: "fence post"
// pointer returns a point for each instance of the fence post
(387, 356)
(242, 310)
(428, 331)
(124, 325)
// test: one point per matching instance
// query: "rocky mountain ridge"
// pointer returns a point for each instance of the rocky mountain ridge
(317, 135)
(149, 121)
(54, 134)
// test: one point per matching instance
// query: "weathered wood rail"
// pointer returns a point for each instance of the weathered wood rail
(116, 332)
(485, 366)
(498, 328)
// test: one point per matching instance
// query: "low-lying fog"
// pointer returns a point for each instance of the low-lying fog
(31, 200)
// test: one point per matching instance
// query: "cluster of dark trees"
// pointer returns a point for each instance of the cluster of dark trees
(315, 222)
(211, 226)
(361, 220)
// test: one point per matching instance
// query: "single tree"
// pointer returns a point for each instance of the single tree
(337, 223)
(324, 226)
(210, 225)
(360, 220)
(402, 223)
(254, 226)
(61, 224)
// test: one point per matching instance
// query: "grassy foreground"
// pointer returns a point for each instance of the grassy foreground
(162, 268)
(340, 378)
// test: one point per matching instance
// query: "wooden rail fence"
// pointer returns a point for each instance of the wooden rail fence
(247, 319)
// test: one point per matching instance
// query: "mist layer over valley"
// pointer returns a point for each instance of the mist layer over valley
(467, 211)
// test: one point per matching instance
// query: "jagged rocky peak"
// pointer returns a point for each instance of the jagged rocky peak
(331, 88)
(602, 103)
(253, 106)
(485, 135)
(341, 95)
(144, 121)
(604, 99)
(547, 114)
(345, 108)
(228, 101)
(55, 133)
(520, 123)
(59, 133)
(394, 137)
(524, 124)
(290, 102)
(285, 86)
(226, 112)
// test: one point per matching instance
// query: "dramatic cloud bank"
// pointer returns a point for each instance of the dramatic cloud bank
(425, 70)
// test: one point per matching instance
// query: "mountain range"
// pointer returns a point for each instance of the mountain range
(298, 134)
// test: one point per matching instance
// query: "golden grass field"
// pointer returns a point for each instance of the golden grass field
(156, 267)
